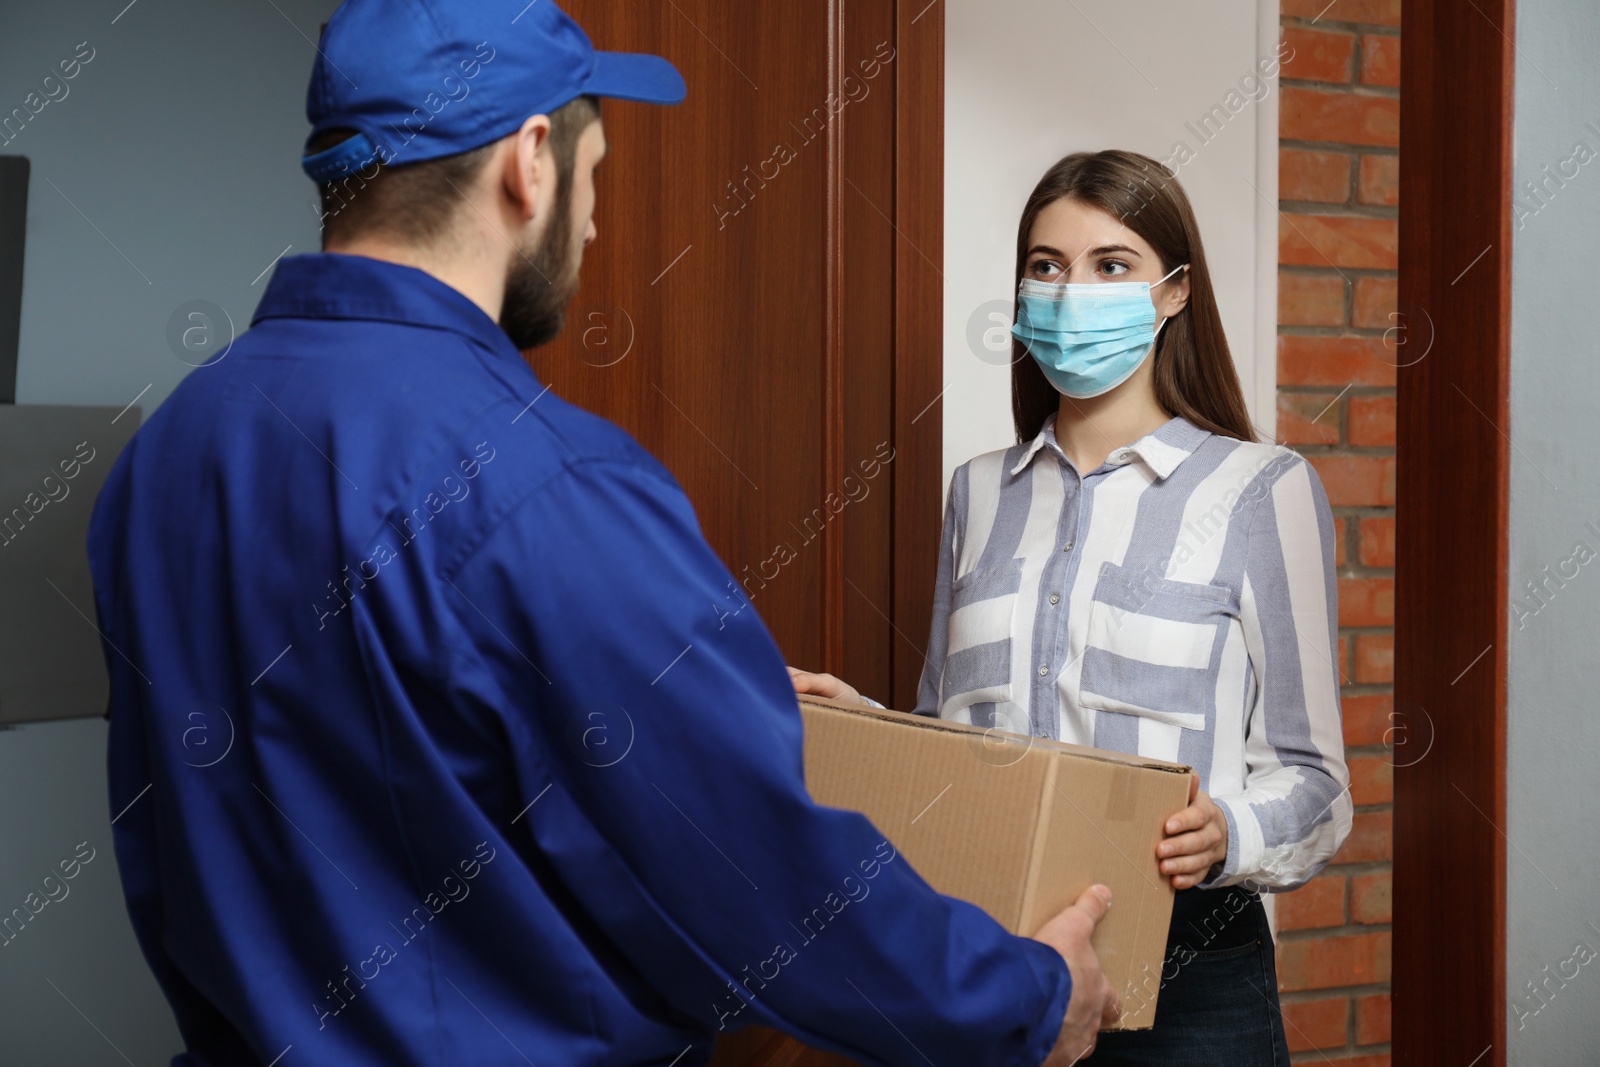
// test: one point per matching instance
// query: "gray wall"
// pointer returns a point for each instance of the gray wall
(166, 173)
(1553, 822)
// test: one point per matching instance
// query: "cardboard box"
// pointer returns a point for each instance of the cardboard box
(1019, 826)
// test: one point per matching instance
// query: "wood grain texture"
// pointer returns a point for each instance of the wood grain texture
(711, 258)
(833, 358)
(919, 334)
(868, 271)
(1451, 544)
(763, 311)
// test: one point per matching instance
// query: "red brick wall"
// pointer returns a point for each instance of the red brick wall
(1337, 244)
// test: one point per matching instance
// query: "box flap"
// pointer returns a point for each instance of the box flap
(997, 739)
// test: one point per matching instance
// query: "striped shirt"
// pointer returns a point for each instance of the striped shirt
(1177, 602)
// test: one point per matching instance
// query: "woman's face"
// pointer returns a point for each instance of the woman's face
(1072, 241)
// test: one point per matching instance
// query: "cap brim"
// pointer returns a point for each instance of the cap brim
(635, 76)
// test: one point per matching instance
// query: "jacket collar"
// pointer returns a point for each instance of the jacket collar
(332, 285)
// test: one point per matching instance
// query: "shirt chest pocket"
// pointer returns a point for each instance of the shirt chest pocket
(977, 666)
(1154, 647)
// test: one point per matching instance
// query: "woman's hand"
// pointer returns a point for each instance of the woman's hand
(823, 685)
(1197, 839)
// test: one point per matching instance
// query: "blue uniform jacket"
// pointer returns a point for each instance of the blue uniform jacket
(439, 735)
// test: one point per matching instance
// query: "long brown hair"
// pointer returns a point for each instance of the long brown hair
(1194, 374)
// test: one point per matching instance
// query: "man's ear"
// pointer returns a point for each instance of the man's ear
(528, 166)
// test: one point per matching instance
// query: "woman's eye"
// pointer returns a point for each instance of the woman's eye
(1045, 268)
(1113, 267)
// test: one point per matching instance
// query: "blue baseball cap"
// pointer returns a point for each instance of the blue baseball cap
(424, 79)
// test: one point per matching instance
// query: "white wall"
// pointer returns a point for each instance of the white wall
(1027, 82)
(1553, 732)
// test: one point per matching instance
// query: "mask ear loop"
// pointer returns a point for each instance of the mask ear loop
(1163, 322)
(1156, 338)
(1170, 273)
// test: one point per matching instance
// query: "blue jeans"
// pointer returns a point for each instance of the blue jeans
(1218, 1005)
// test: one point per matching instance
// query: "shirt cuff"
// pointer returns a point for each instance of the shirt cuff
(1244, 844)
(874, 703)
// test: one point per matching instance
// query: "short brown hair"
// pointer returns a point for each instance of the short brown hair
(1194, 373)
(416, 202)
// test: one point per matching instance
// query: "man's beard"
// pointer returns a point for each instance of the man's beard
(542, 280)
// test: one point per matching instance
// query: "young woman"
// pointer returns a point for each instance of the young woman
(1137, 573)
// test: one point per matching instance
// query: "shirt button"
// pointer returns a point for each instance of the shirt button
(1055, 598)
(1043, 671)
(1067, 547)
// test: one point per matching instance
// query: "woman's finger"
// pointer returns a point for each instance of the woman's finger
(822, 685)
(1187, 864)
(1186, 845)
(1190, 818)
(805, 681)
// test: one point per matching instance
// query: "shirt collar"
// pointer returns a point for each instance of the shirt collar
(1162, 451)
(332, 285)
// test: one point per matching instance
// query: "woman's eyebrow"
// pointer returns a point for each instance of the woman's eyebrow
(1100, 251)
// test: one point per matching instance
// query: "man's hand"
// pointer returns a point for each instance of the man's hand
(1197, 839)
(1094, 1002)
(823, 685)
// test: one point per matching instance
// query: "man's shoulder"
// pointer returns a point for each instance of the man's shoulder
(553, 436)
(539, 460)
(431, 434)
(417, 397)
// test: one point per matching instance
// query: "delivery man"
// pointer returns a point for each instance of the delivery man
(438, 733)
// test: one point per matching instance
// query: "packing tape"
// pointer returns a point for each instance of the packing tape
(1119, 798)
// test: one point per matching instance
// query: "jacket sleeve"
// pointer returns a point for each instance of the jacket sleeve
(643, 687)
(1295, 810)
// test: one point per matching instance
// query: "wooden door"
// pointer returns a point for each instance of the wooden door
(762, 308)
(762, 311)
(1452, 556)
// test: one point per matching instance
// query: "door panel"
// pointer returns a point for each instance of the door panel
(746, 309)
(706, 286)
(762, 310)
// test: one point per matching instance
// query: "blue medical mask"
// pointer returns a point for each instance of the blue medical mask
(1088, 338)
